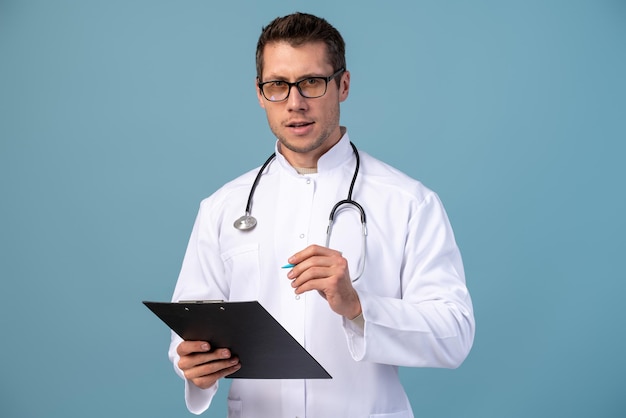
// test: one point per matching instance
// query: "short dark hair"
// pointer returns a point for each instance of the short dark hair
(298, 29)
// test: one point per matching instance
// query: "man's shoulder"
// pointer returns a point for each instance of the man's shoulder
(380, 174)
(239, 185)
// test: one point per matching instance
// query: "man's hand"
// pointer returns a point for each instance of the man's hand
(204, 367)
(325, 270)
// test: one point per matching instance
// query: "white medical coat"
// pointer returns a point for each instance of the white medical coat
(416, 306)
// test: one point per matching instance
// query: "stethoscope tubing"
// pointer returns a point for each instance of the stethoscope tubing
(248, 222)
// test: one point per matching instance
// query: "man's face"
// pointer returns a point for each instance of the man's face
(305, 127)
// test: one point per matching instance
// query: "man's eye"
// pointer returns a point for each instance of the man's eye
(312, 81)
(277, 84)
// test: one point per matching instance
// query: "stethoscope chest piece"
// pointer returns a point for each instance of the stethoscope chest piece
(245, 223)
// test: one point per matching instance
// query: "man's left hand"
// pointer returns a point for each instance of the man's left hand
(325, 270)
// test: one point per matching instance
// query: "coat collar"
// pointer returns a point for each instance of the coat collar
(338, 155)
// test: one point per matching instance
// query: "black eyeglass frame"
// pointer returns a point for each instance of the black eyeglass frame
(297, 85)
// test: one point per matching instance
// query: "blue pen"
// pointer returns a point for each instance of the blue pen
(288, 266)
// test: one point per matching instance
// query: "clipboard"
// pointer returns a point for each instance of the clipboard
(265, 349)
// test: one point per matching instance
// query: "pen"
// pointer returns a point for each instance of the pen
(288, 266)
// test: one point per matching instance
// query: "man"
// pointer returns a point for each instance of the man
(361, 311)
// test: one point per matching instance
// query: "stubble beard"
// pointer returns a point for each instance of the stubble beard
(317, 143)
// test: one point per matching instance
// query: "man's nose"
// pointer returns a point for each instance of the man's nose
(296, 101)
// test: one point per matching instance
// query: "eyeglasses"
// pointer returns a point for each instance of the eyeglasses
(310, 87)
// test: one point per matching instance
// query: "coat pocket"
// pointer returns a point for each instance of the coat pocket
(243, 272)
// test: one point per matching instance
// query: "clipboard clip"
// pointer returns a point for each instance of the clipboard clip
(202, 301)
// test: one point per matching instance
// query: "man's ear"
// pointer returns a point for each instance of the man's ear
(344, 86)
(258, 93)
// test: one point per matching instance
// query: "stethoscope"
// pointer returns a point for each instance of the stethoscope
(248, 222)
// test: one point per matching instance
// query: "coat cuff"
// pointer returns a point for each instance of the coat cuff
(355, 335)
(198, 400)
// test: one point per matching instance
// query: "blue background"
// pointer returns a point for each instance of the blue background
(117, 117)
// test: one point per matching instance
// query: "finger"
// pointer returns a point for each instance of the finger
(324, 285)
(213, 368)
(307, 274)
(315, 267)
(205, 382)
(310, 251)
(193, 360)
(319, 268)
(188, 347)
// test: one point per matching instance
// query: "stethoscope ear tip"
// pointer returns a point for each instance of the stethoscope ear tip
(245, 223)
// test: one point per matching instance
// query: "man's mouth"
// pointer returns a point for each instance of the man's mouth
(298, 124)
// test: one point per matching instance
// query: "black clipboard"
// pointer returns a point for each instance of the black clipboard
(265, 349)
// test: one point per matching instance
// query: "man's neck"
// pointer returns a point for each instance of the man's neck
(311, 164)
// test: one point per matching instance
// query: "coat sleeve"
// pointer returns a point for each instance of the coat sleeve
(201, 262)
(197, 400)
(432, 323)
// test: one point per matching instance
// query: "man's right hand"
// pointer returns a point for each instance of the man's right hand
(204, 367)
